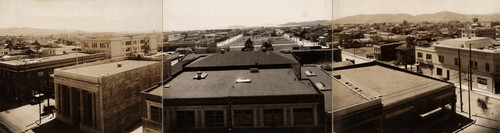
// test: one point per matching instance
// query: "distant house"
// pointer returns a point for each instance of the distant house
(386, 52)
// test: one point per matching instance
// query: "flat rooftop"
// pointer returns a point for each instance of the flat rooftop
(393, 84)
(317, 75)
(484, 44)
(219, 84)
(43, 59)
(244, 58)
(158, 91)
(322, 80)
(109, 68)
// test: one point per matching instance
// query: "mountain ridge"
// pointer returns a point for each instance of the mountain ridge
(443, 16)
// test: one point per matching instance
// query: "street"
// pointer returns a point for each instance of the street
(486, 116)
(25, 117)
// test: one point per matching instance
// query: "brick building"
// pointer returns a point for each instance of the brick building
(23, 78)
(243, 92)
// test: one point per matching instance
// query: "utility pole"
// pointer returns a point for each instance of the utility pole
(470, 75)
(460, 80)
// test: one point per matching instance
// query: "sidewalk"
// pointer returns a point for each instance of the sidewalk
(478, 91)
(24, 118)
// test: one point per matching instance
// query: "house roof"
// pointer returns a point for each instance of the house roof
(223, 83)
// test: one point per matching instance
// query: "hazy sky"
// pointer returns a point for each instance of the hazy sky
(208, 14)
(343, 8)
(87, 15)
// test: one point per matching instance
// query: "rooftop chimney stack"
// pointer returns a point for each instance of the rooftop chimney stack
(199, 74)
(119, 64)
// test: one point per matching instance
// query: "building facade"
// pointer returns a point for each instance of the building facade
(104, 96)
(478, 32)
(401, 101)
(444, 60)
(23, 78)
(122, 46)
(386, 52)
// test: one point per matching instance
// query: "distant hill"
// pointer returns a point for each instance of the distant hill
(236, 27)
(320, 22)
(33, 31)
(443, 16)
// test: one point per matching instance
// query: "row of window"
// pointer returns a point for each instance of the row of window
(94, 45)
(242, 118)
(427, 56)
(480, 80)
(473, 63)
(134, 42)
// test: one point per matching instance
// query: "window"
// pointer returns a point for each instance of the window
(303, 116)
(142, 41)
(441, 58)
(428, 56)
(419, 55)
(273, 117)
(456, 61)
(155, 113)
(128, 42)
(487, 67)
(243, 117)
(497, 68)
(439, 71)
(85, 45)
(40, 73)
(482, 81)
(185, 118)
(473, 64)
(214, 118)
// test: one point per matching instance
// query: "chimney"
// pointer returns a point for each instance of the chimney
(254, 70)
(199, 74)
(119, 64)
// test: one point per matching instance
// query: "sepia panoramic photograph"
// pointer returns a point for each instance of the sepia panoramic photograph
(249, 66)
(416, 66)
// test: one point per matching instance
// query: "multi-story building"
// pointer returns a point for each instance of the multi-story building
(261, 100)
(139, 45)
(242, 91)
(105, 96)
(377, 97)
(21, 79)
(386, 52)
(478, 32)
(444, 59)
(152, 110)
